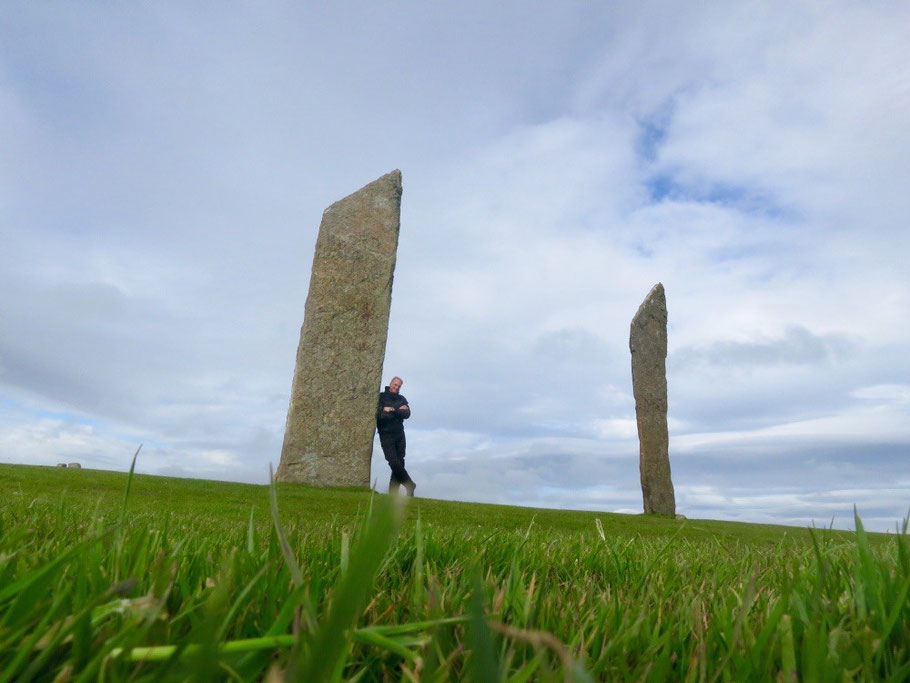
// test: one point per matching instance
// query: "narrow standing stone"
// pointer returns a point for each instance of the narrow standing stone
(328, 439)
(648, 344)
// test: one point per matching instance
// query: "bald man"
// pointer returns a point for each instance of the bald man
(391, 413)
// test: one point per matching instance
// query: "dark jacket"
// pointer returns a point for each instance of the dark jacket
(391, 423)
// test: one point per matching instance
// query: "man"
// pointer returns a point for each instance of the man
(391, 413)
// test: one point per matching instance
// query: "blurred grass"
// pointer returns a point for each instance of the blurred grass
(103, 577)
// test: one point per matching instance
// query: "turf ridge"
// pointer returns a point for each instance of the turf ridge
(107, 576)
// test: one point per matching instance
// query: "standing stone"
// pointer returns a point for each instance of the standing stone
(328, 439)
(74, 466)
(648, 344)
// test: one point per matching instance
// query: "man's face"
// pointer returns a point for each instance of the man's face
(395, 385)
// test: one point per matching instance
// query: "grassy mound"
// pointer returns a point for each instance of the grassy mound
(149, 578)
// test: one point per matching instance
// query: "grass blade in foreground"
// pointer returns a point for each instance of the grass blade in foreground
(118, 542)
(330, 643)
(286, 551)
(485, 665)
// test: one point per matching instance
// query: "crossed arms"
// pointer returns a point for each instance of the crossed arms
(403, 409)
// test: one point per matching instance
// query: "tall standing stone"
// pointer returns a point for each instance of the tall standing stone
(648, 344)
(328, 439)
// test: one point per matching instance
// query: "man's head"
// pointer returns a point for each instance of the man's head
(395, 384)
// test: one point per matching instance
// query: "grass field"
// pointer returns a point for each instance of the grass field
(107, 577)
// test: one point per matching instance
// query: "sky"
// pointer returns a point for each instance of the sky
(164, 167)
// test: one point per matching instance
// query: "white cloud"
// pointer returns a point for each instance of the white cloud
(620, 428)
(886, 393)
(858, 426)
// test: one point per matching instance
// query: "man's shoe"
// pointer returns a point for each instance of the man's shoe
(410, 486)
(393, 486)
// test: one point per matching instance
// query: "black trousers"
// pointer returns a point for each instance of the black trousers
(393, 447)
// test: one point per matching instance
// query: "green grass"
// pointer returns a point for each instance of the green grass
(186, 579)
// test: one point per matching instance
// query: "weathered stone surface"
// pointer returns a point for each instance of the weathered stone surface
(74, 466)
(648, 344)
(328, 439)
(61, 464)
